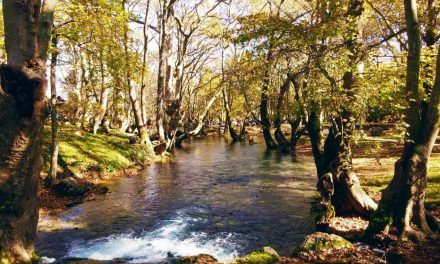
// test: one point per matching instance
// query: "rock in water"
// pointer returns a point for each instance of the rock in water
(321, 241)
(199, 259)
(265, 255)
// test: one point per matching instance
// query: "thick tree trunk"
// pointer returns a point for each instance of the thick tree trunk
(402, 201)
(164, 75)
(316, 139)
(21, 117)
(338, 185)
(22, 114)
(52, 175)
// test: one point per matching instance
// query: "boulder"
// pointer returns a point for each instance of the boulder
(265, 255)
(70, 187)
(321, 241)
(199, 259)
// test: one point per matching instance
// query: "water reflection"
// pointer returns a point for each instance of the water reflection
(224, 199)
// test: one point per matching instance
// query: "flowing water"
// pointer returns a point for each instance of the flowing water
(212, 197)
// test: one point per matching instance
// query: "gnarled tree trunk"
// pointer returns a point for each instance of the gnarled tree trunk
(22, 113)
(403, 200)
(338, 184)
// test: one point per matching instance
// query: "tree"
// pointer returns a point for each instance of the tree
(135, 102)
(22, 113)
(402, 202)
(52, 175)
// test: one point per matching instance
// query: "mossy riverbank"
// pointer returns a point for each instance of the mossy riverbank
(94, 160)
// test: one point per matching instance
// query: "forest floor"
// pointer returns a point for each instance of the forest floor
(373, 162)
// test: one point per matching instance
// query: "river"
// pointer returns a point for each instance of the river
(211, 197)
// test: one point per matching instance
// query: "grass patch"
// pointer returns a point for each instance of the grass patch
(84, 152)
(375, 168)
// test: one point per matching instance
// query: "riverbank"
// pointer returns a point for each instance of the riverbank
(92, 161)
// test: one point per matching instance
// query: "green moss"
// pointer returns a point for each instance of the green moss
(378, 222)
(323, 212)
(258, 258)
(320, 245)
(320, 241)
(83, 152)
(35, 258)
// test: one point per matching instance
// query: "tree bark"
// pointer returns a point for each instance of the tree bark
(264, 112)
(339, 186)
(164, 75)
(52, 175)
(296, 132)
(22, 114)
(402, 202)
(102, 100)
(283, 143)
(235, 137)
(144, 64)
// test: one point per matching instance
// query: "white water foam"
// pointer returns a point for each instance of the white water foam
(173, 236)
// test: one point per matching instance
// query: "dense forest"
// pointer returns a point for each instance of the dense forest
(95, 90)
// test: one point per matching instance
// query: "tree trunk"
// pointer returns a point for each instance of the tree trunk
(102, 100)
(265, 120)
(144, 63)
(283, 143)
(229, 125)
(52, 175)
(102, 109)
(137, 110)
(163, 82)
(296, 133)
(403, 200)
(201, 119)
(316, 139)
(22, 114)
(338, 185)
